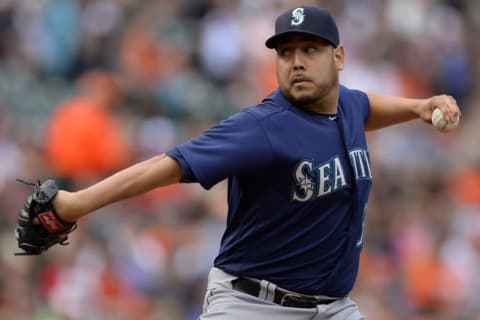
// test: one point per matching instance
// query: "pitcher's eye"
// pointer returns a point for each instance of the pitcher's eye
(284, 52)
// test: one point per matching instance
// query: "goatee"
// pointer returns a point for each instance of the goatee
(303, 102)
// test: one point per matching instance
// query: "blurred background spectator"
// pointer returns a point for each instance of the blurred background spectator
(82, 138)
(87, 87)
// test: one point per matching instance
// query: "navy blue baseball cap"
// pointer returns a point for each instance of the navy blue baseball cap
(311, 20)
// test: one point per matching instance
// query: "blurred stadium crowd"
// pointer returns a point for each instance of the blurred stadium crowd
(90, 86)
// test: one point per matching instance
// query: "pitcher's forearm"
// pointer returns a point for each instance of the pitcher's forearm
(132, 181)
(389, 110)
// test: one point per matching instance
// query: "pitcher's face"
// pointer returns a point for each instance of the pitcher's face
(307, 68)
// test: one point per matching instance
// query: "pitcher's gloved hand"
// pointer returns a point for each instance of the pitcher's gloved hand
(38, 226)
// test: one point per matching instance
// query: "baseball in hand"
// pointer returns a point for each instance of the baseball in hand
(441, 124)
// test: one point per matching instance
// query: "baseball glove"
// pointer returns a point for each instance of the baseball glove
(38, 226)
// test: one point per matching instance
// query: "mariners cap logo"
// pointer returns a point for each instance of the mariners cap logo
(320, 23)
(298, 16)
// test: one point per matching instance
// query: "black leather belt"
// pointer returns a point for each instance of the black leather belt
(281, 296)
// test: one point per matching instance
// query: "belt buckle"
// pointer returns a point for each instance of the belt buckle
(296, 301)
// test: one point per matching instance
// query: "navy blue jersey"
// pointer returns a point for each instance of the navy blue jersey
(298, 184)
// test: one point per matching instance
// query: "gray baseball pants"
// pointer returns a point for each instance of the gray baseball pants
(224, 303)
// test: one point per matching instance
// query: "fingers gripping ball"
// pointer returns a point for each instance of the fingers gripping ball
(38, 225)
(441, 124)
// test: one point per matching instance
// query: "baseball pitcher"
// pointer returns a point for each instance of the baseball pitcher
(299, 177)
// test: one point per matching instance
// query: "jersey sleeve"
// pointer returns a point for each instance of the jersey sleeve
(187, 174)
(364, 103)
(359, 98)
(236, 146)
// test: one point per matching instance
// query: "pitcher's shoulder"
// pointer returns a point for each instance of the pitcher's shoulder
(346, 92)
(271, 105)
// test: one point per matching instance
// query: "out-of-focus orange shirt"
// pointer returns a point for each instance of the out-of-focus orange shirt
(83, 139)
